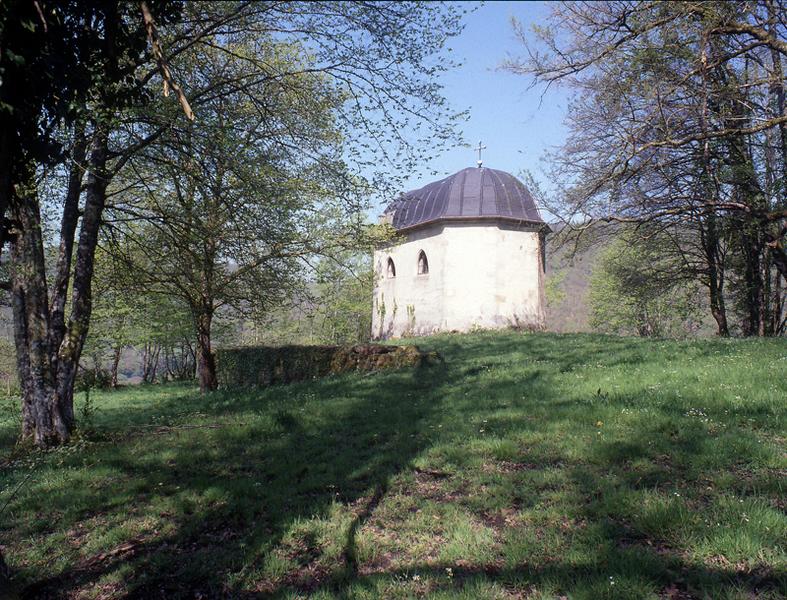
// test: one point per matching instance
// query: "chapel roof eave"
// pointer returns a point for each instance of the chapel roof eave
(538, 225)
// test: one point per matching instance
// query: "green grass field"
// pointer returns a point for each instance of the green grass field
(528, 466)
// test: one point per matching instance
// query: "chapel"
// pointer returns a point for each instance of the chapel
(469, 255)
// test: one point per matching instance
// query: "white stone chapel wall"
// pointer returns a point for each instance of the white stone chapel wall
(409, 304)
(480, 276)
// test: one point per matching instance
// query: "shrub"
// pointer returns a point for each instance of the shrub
(93, 379)
(9, 383)
(266, 365)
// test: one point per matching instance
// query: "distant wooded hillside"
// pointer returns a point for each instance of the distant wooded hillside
(568, 283)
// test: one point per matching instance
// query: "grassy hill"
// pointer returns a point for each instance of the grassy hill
(528, 466)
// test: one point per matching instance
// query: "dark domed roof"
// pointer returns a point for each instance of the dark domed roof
(470, 194)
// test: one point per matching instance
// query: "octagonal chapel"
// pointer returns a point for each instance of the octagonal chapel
(469, 255)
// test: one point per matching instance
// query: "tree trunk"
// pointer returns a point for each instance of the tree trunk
(81, 301)
(22, 356)
(754, 289)
(154, 363)
(169, 362)
(145, 348)
(189, 360)
(68, 227)
(206, 362)
(48, 352)
(710, 240)
(716, 289)
(5, 182)
(750, 234)
(115, 362)
(150, 356)
(719, 314)
(43, 417)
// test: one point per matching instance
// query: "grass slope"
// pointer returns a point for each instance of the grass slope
(535, 466)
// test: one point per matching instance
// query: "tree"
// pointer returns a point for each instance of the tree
(343, 291)
(155, 326)
(106, 54)
(677, 121)
(632, 291)
(75, 98)
(275, 171)
(333, 307)
(228, 210)
(553, 291)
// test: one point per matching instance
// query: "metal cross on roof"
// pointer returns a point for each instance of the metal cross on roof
(480, 147)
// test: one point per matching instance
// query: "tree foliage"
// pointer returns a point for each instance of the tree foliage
(633, 292)
(80, 104)
(234, 205)
(333, 308)
(156, 328)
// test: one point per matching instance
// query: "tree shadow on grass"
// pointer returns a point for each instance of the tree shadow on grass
(229, 495)
(273, 477)
(668, 578)
(637, 547)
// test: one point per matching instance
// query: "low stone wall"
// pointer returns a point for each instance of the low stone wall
(267, 365)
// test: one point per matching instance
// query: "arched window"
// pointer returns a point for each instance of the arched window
(423, 264)
(391, 269)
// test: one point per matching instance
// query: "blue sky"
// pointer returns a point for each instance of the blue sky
(512, 119)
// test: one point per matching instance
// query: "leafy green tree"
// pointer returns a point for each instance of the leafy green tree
(284, 157)
(344, 290)
(228, 215)
(156, 327)
(633, 291)
(553, 289)
(333, 308)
